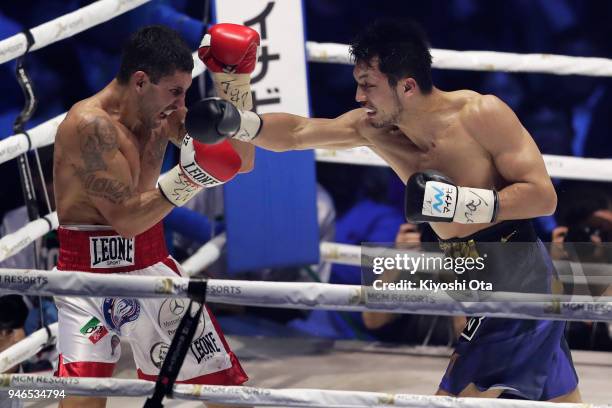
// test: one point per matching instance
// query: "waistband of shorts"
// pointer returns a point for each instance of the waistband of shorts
(505, 231)
(103, 250)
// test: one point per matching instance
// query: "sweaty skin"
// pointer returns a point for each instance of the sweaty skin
(474, 139)
(109, 150)
(108, 155)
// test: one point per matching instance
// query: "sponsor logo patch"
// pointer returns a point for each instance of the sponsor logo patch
(170, 314)
(118, 312)
(111, 252)
(205, 347)
(440, 199)
(158, 353)
(94, 330)
(115, 341)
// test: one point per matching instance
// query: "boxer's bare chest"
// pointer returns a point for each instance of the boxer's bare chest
(452, 152)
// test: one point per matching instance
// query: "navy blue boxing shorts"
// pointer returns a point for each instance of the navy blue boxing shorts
(528, 359)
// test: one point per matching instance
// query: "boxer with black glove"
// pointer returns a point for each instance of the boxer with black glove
(472, 139)
(212, 120)
(431, 196)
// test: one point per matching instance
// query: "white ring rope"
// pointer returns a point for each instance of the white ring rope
(303, 295)
(40, 136)
(567, 167)
(13, 243)
(205, 256)
(298, 295)
(482, 60)
(79, 20)
(103, 10)
(44, 134)
(66, 26)
(597, 273)
(250, 396)
(27, 348)
(329, 251)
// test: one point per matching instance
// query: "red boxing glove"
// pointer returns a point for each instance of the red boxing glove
(230, 48)
(201, 166)
(229, 51)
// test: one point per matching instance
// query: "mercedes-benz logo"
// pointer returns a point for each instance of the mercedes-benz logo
(177, 306)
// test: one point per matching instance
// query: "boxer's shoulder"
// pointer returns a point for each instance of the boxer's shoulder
(85, 124)
(481, 111)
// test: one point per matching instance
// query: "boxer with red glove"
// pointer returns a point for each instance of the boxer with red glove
(200, 166)
(431, 196)
(229, 51)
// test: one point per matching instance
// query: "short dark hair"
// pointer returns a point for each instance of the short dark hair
(156, 50)
(402, 50)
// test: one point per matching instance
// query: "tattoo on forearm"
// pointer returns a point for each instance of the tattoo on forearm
(156, 148)
(112, 190)
(98, 136)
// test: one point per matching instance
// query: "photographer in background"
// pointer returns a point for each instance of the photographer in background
(584, 215)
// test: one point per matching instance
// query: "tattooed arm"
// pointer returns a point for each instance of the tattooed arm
(106, 177)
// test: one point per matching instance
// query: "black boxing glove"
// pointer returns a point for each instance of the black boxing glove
(212, 120)
(433, 197)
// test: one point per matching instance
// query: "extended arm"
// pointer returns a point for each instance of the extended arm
(230, 53)
(213, 119)
(283, 131)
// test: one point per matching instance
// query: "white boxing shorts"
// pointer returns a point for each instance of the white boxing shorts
(91, 330)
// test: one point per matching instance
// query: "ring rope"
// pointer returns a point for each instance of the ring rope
(96, 13)
(210, 252)
(482, 60)
(66, 26)
(313, 295)
(557, 166)
(249, 396)
(205, 256)
(28, 347)
(329, 251)
(11, 244)
(567, 167)
(352, 255)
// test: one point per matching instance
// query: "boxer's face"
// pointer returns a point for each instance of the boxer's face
(158, 100)
(374, 94)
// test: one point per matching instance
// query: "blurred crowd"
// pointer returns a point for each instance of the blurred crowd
(566, 115)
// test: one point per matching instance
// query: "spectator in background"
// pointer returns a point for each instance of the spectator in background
(410, 328)
(98, 52)
(12, 322)
(41, 254)
(369, 218)
(583, 236)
